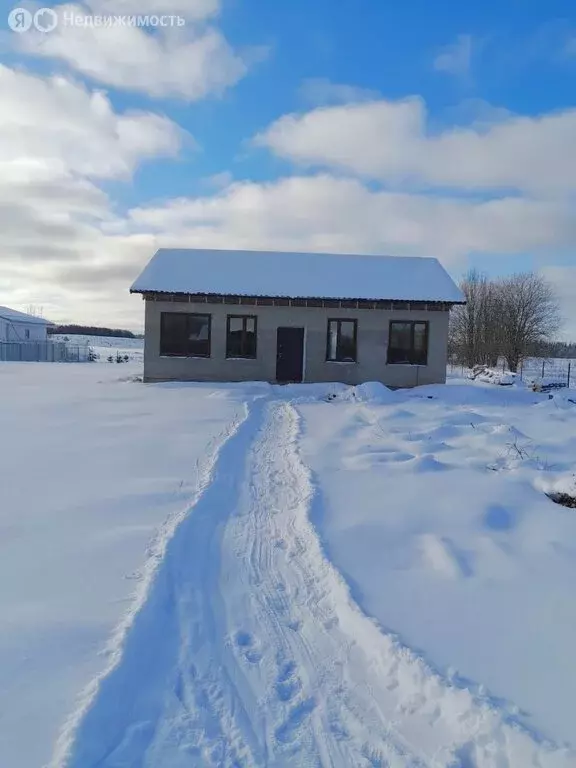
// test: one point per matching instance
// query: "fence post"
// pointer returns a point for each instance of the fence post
(569, 369)
(521, 369)
(543, 364)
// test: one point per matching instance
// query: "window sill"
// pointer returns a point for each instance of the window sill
(410, 365)
(241, 358)
(186, 357)
(342, 362)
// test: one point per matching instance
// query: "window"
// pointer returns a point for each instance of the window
(241, 336)
(184, 335)
(27, 334)
(342, 338)
(408, 343)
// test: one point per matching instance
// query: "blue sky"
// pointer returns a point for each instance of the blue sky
(384, 47)
(413, 128)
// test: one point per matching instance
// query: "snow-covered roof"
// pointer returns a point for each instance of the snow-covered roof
(21, 317)
(297, 275)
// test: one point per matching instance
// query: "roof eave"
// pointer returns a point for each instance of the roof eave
(144, 291)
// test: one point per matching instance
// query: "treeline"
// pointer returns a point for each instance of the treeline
(91, 330)
(513, 317)
(554, 349)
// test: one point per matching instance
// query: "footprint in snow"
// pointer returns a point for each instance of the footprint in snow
(247, 647)
(297, 717)
(287, 683)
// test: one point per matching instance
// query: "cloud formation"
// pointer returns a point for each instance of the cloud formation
(330, 213)
(58, 143)
(321, 91)
(189, 62)
(456, 58)
(390, 141)
(67, 246)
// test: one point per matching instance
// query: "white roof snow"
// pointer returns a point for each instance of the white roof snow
(297, 275)
(13, 316)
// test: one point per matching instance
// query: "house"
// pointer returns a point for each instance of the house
(216, 315)
(20, 327)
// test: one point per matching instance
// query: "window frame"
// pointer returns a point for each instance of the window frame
(413, 324)
(244, 318)
(187, 354)
(340, 320)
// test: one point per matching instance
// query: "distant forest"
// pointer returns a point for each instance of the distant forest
(554, 349)
(92, 330)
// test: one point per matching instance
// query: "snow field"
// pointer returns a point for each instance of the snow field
(106, 346)
(433, 511)
(93, 467)
(263, 658)
(335, 576)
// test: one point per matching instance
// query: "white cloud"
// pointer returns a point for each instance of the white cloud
(189, 62)
(456, 58)
(89, 281)
(57, 141)
(218, 180)
(65, 246)
(53, 127)
(342, 214)
(564, 281)
(389, 140)
(320, 90)
(475, 113)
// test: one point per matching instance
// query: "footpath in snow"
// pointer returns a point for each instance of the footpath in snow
(247, 649)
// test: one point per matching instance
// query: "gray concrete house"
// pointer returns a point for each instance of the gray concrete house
(214, 315)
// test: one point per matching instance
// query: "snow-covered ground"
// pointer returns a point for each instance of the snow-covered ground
(283, 576)
(91, 466)
(552, 370)
(106, 347)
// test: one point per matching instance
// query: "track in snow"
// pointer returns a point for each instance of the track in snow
(249, 651)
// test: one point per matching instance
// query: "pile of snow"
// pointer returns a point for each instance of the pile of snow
(493, 376)
(554, 368)
(547, 383)
(369, 392)
(557, 484)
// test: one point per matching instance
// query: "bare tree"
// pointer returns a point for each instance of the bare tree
(474, 328)
(491, 331)
(528, 315)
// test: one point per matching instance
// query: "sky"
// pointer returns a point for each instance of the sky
(399, 127)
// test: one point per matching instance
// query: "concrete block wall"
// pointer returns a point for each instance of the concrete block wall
(373, 329)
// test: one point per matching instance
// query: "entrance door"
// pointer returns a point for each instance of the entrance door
(289, 354)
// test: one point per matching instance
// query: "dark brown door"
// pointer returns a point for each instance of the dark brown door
(289, 354)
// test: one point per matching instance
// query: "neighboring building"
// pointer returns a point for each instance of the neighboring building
(18, 327)
(289, 317)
